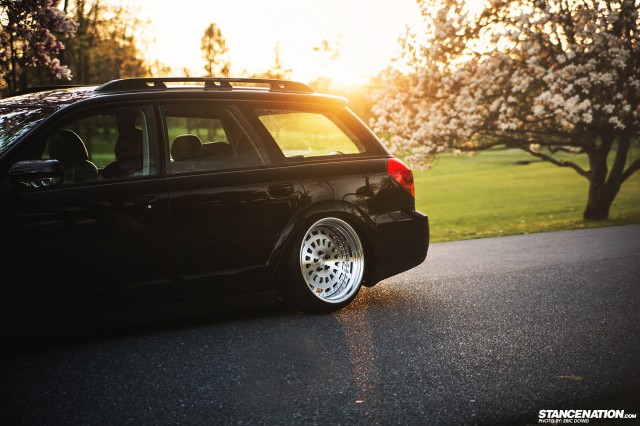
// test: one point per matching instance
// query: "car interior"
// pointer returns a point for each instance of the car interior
(104, 145)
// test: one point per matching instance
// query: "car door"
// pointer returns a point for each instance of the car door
(229, 203)
(97, 242)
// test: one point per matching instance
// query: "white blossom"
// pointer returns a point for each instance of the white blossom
(519, 77)
(616, 122)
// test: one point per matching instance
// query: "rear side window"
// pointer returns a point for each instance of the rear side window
(309, 134)
(207, 139)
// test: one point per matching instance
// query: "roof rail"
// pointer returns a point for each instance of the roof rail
(210, 83)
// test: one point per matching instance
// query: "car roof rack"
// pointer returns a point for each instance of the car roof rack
(209, 83)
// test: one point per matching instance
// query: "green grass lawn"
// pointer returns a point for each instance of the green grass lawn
(489, 195)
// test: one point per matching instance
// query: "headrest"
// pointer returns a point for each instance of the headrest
(185, 147)
(216, 148)
(67, 147)
(129, 145)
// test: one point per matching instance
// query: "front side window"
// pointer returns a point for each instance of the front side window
(105, 145)
(207, 139)
(309, 134)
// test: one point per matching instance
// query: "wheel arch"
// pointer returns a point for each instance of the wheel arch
(348, 212)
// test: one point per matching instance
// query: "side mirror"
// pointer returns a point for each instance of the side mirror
(36, 174)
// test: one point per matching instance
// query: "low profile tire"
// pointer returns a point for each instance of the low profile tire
(326, 267)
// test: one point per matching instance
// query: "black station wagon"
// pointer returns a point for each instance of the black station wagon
(195, 192)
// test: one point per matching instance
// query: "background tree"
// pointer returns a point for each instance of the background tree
(105, 47)
(215, 52)
(330, 51)
(277, 70)
(157, 68)
(558, 79)
(326, 53)
(28, 39)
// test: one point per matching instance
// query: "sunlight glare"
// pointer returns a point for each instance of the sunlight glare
(366, 34)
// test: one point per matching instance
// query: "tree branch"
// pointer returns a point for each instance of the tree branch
(559, 163)
(469, 148)
(634, 167)
(624, 142)
(524, 145)
(492, 131)
(555, 149)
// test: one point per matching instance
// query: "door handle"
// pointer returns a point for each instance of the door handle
(147, 203)
(280, 190)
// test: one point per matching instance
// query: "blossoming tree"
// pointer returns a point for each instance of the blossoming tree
(28, 31)
(555, 78)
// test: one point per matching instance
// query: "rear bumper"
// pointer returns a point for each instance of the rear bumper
(401, 243)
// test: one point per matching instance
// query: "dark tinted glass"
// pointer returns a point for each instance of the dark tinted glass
(16, 121)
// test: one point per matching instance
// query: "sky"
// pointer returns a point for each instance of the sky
(366, 32)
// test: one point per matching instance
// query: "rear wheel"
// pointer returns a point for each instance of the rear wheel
(326, 266)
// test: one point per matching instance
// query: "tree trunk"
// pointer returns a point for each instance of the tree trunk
(599, 203)
(604, 185)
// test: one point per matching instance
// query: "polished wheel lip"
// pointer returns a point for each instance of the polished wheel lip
(332, 260)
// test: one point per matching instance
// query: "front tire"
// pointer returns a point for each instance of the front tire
(326, 267)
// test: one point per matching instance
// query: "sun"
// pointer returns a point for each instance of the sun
(365, 36)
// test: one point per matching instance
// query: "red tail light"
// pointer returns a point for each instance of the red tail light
(401, 174)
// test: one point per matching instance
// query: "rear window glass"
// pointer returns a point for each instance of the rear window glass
(309, 134)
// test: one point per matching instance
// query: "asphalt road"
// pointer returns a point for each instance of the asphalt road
(485, 332)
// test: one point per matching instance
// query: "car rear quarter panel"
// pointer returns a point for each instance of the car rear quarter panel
(382, 212)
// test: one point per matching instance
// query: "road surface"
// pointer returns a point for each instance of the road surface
(486, 331)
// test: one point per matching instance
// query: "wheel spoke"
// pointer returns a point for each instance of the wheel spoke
(332, 260)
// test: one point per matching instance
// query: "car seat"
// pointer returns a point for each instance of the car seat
(129, 155)
(67, 147)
